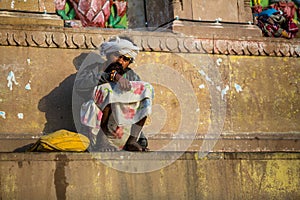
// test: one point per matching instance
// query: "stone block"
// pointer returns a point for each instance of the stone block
(33, 19)
(29, 5)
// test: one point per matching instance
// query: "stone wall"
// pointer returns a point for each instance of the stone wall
(90, 176)
(150, 13)
(255, 81)
(158, 13)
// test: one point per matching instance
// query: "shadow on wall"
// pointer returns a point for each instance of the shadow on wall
(57, 105)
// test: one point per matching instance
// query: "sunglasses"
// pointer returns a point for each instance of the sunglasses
(125, 58)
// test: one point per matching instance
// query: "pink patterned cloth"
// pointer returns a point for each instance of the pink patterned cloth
(128, 107)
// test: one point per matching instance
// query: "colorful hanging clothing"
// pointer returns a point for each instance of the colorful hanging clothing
(275, 23)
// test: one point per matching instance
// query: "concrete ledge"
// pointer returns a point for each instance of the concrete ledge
(103, 176)
(217, 30)
(146, 156)
(237, 142)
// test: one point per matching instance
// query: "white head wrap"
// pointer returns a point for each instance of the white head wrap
(122, 46)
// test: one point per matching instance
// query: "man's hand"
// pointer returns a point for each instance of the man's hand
(123, 82)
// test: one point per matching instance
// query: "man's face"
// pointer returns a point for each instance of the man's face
(124, 61)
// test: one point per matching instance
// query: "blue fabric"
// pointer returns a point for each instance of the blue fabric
(268, 12)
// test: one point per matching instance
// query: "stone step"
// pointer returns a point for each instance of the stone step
(246, 142)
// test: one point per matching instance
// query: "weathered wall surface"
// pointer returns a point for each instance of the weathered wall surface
(268, 99)
(82, 176)
(50, 74)
(260, 94)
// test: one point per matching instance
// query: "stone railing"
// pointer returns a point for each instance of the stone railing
(60, 37)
